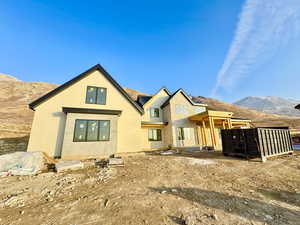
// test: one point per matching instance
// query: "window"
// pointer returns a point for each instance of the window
(95, 95)
(104, 130)
(80, 130)
(154, 112)
(91, 130)
(180, 133)
(154, 135)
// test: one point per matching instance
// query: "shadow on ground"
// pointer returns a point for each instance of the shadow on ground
(203, 154)
(283, 196)
(250, 209)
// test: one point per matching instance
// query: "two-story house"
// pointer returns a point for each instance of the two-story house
(93, 116)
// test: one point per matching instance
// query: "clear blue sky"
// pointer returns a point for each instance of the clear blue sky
(143, 44)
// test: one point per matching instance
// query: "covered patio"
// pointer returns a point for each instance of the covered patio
(210, 124)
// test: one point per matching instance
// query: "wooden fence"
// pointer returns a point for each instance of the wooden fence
(273, 142)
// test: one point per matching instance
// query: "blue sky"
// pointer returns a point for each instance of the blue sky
(148, 44)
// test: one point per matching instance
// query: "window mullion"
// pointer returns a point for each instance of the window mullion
(96, 96)
(86, 130)
(98, 138)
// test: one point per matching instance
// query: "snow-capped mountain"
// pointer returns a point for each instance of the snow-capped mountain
(271, 104)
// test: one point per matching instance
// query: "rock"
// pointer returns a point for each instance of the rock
(105, 174)
(174, 190)
(268, 217)
(214, 216)
(163, 192)
(191, 217)
(106, 201)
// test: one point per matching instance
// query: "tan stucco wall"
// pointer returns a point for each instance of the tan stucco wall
(181, 120)
(151, 145)
(155, 102)
(77, 150)
(49, 120)
(168, 136)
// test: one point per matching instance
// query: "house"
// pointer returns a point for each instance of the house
(93, 116)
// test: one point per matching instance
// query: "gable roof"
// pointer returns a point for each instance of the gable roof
(184, 94)
(165, 89)
(148, 98)
(98, 67)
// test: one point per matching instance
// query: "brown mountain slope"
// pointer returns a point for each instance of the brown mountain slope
(259, 119)
(133, 93)
(16, 117)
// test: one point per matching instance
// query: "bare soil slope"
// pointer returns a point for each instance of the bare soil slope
(155, 189)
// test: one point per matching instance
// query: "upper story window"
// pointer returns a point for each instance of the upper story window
(95, 95)
(154, 112)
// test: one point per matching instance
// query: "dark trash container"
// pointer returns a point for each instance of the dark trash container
(256, 142)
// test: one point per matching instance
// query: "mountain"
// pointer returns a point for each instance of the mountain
(270, 104)
(16, 117)
(134, 93)
(259, 119)
(6, 77)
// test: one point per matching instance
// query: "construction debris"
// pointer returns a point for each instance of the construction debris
(167, 153)
(21, 163)
(117, 161)
(170, 152)
(195, 161)
(68, 165)
(102, 163)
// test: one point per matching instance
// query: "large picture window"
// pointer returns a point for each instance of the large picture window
(95, 95)
(154, 135)
(91, 130)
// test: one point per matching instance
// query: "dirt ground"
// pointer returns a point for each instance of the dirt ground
(184, 188)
